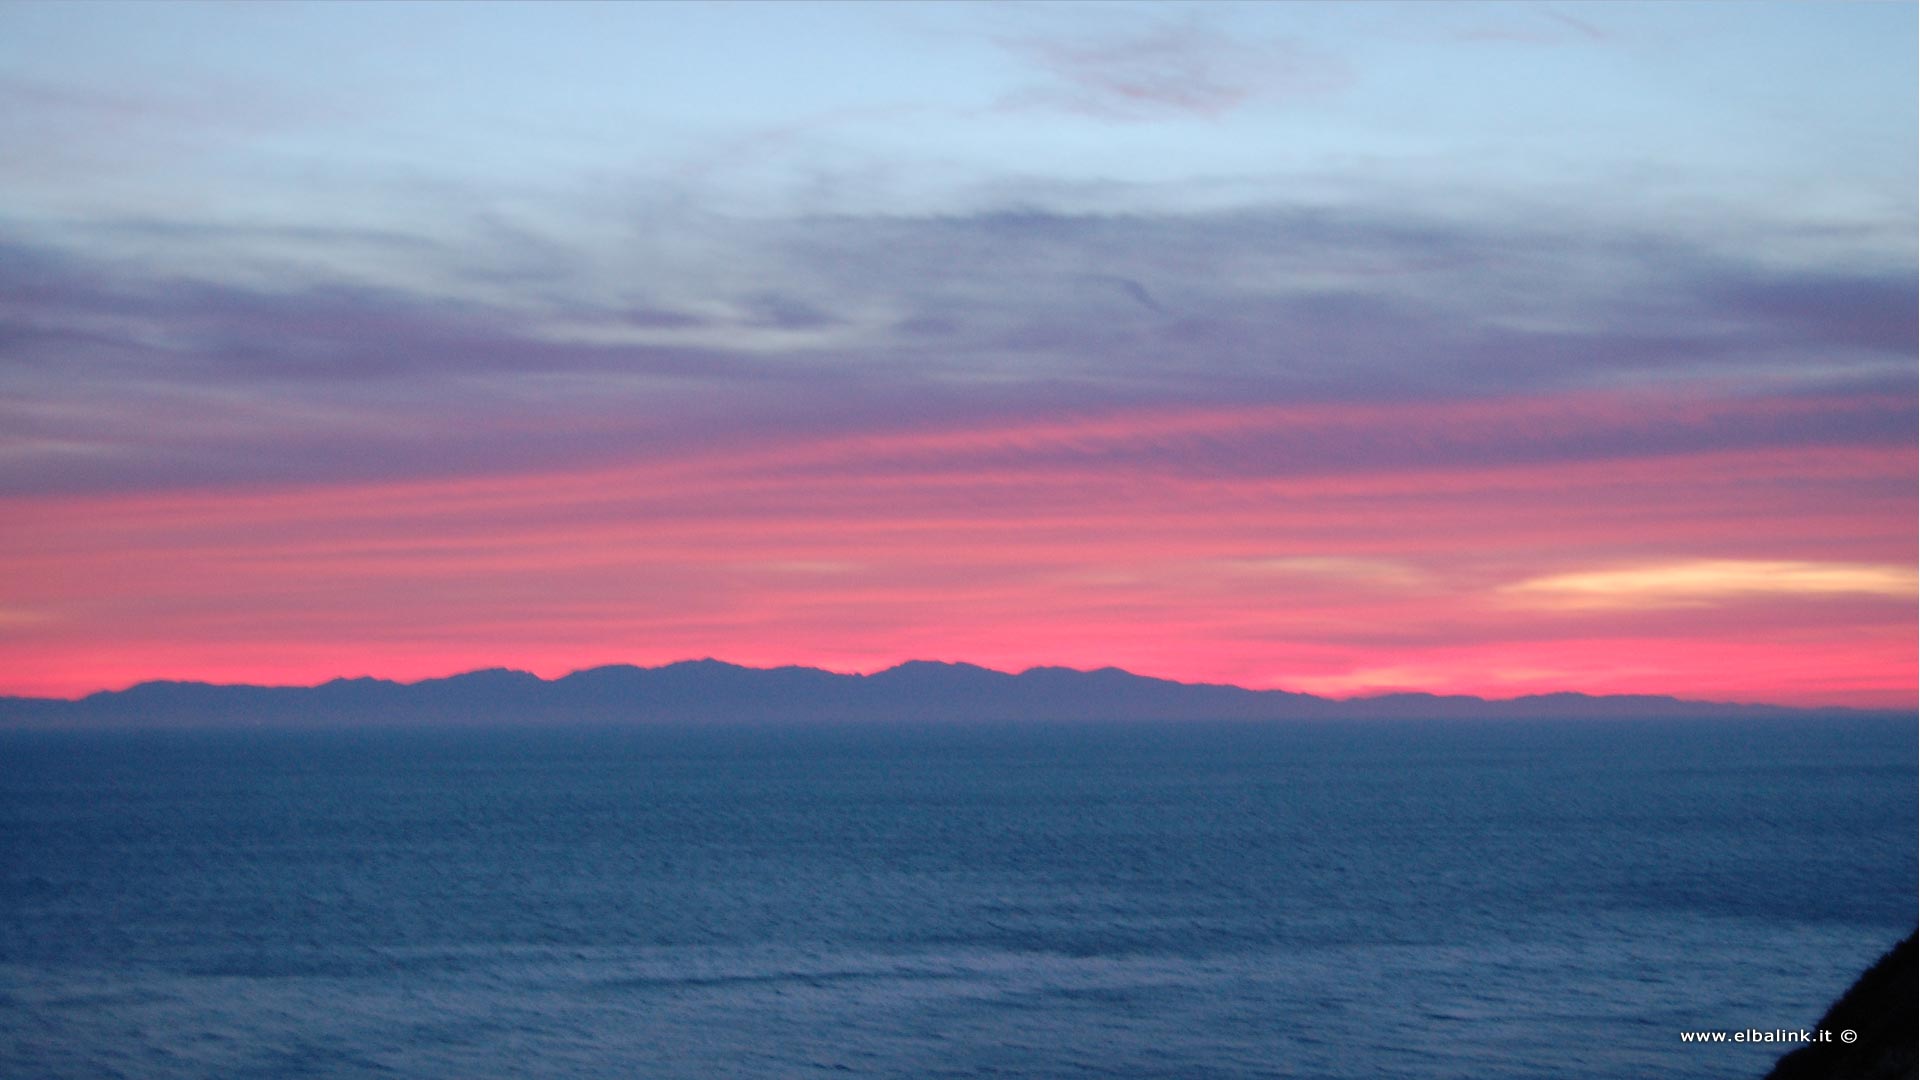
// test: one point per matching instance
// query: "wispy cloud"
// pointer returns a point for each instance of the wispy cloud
(1167, 69)
(1705, 582)
(1339, 569)
(120, 370)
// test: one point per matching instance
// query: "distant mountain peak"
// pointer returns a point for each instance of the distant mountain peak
(490, 673)
(940, 665)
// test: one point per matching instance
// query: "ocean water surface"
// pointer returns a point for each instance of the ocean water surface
(1205, 900)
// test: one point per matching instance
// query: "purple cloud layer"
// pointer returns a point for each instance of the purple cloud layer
(125, 364)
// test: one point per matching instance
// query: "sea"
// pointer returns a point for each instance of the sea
(1200, 900)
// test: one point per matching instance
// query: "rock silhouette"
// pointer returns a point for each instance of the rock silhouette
(1880, 1009)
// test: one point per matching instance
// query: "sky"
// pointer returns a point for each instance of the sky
(1491, 349)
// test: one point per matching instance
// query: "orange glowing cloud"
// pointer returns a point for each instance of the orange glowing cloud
(1708, 581)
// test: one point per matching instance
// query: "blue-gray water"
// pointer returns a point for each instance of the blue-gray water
(1376, 900)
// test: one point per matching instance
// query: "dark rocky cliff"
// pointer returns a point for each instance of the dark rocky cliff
(1880, 1009)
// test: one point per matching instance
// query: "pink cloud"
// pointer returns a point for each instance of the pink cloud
(1123, 538)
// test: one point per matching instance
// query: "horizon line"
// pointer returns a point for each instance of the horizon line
(1359, 697)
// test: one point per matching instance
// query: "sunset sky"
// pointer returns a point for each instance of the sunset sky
(1355, 348)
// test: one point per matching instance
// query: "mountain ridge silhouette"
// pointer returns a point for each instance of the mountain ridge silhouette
(713, 690)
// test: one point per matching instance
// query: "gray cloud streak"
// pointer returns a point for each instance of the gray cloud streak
(118, 371)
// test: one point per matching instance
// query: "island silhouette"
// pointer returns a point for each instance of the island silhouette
(715, 691)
